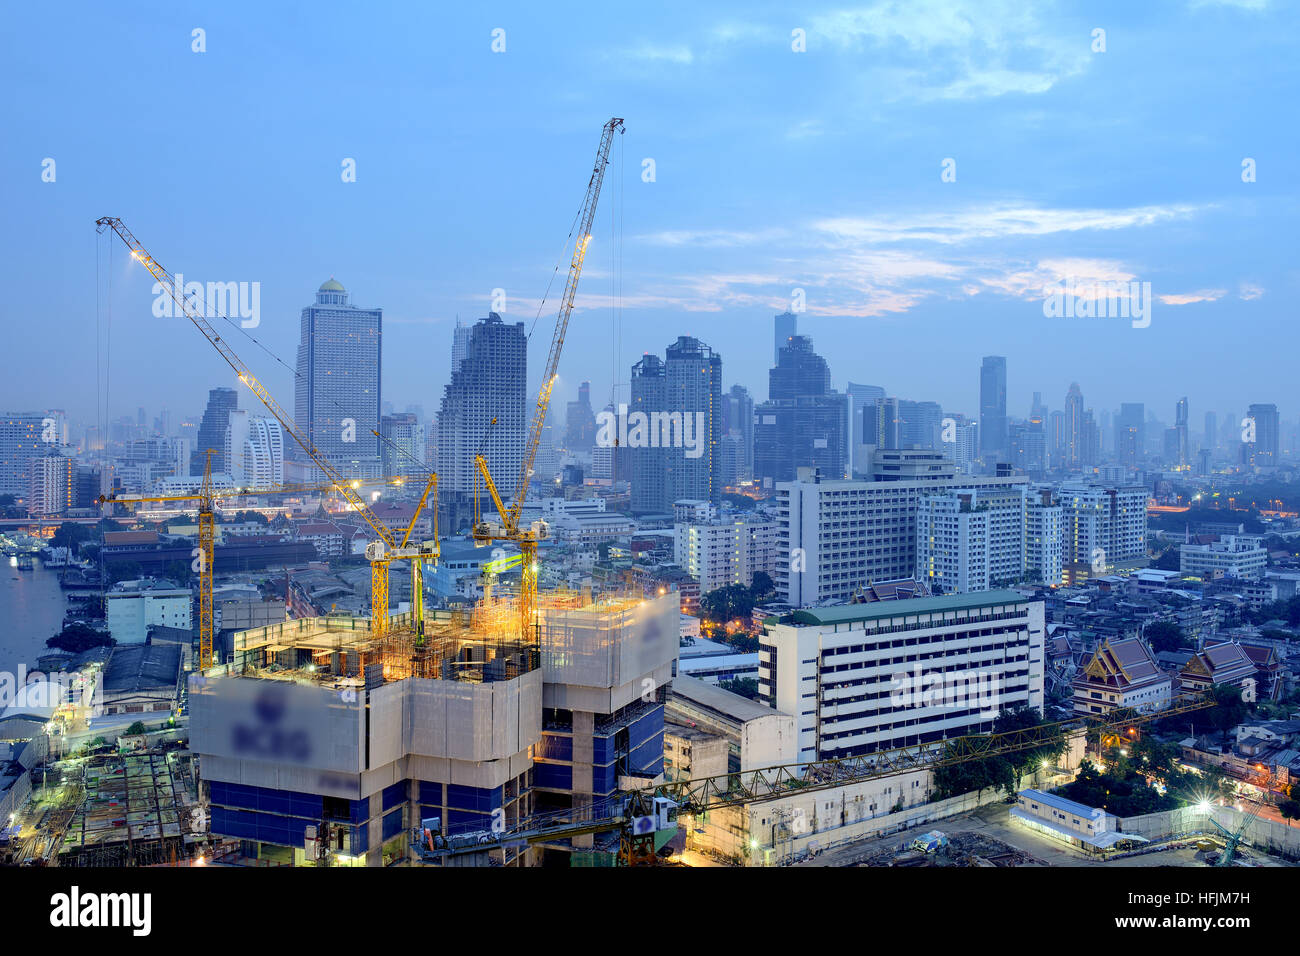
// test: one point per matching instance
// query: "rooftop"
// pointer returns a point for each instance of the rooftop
(846, 613)
(718, 700)
(140, 666)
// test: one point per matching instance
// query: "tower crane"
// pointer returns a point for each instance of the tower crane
(207, 497)
(508, 529)
(380, 552)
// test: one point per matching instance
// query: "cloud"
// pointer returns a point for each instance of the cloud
(972, 50)
(1249, 291)
(994, 222)
(658, 53)
(1188, 298)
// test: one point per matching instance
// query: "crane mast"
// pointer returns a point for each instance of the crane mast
(526, 539)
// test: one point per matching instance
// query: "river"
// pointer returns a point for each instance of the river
(32, 606)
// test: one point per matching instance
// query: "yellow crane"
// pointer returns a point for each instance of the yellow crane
(380, 552)
(508, 529)
(206, 497)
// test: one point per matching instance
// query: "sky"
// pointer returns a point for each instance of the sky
(918, 173)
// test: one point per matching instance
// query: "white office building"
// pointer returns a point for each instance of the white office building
(837, 536)
(862, 678)
(130, 611)
(1233, 556)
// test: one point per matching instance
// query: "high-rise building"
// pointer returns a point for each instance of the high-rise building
(963, 448)
(212, 431)
(253, 450)
(1183, 448)
(862, 406)
(1105, 526)
(784, 327)
(483, 408)
(1028, 446)
(580, 422)
(1263, 451)
(403, 444)
(983, 538)
(1210, 440)
(838, 536)
(887, 674)
(738, 421)
(803, 422)
(54, 485)
(717, 553)
(1130, 433)
(1074, 438)
(993, 407)
(25, 436)
(675, 426)
(337, 403)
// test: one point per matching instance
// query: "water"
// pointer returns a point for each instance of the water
(31, 612)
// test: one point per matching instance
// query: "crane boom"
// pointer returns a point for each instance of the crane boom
(587, 217)
(381, 552)
(245, 374)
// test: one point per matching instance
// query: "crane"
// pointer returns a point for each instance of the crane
(380, 552)
(207, 496)
(642, 818)
(508, 529)
(1232, 840)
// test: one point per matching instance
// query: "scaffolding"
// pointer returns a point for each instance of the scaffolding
(590, 638)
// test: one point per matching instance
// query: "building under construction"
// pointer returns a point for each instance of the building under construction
(320, 743)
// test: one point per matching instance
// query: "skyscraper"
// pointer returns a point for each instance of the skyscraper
(738, 421)
(803, 422)
(580, 422)
(1211, 439)
(254, 450)
(491, 382)
(337, 404)
(1074, 453)
(784, 327)
(1130, 433)
(403, 444)
(212, 431)
(1263, 451)
(862, 400)
(993, 407)
(1181, 439)
(673, 443)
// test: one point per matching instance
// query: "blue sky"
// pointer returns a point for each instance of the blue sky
(774, 170)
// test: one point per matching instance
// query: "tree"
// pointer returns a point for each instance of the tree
(762, 584)
(1230, 710)
(1290, 810)
(744, 686)
(69, 534)
(77, 637)
(135, 728)
(115, 571)
(727, 603)
(178, 571)
(1164, 636)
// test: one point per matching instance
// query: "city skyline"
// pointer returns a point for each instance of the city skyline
(855, 212)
